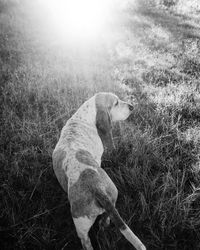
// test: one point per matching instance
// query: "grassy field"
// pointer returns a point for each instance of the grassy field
(152, 58)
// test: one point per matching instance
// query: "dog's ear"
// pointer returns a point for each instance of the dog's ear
(104, 127)
(103, 121)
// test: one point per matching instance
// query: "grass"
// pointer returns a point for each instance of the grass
(156, 165)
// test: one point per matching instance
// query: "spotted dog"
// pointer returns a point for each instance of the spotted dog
(77, 165)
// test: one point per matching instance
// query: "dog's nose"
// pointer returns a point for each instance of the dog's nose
(130, 107)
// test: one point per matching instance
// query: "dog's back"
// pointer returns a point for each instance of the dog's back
(77, 160)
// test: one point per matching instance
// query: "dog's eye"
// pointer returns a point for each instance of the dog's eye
(116, 103)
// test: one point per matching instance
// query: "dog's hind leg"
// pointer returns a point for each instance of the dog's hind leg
(83, 225)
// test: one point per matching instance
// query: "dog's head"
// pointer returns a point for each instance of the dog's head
(109, 108)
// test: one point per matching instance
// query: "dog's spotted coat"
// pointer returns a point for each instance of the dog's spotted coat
(77, 165)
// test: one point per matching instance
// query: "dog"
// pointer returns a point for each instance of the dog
(77, 165)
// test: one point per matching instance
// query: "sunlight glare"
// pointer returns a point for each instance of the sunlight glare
(79, 19)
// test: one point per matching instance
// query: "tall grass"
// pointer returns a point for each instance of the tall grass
(155, 167)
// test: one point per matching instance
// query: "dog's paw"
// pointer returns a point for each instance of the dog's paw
(104, 221)
(107, 222)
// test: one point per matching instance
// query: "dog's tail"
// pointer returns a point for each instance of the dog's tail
(104, 201)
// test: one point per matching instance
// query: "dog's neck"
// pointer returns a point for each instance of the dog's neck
(87, 113)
